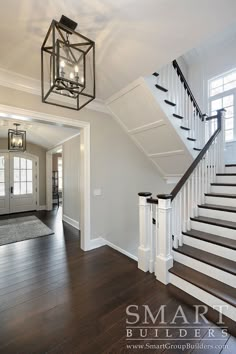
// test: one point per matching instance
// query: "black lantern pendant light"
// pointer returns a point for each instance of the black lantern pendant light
(16, 139)
(67, 66)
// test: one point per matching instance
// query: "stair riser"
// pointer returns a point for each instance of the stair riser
(210, 247)
(207, 269)
(213, 229)
(223, 189)
(217, 214)
(205, 297)
(230, 169)
(226, 179)
(221, 201)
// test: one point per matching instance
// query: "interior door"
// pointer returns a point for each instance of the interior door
(4, 183)
(23, 188)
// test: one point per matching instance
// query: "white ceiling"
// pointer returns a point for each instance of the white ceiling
(133, 37)
(44, 135)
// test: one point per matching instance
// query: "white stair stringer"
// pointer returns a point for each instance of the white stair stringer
(206, 269)
(205, 297)
(218, 250)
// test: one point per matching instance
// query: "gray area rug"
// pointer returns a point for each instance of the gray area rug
(22, 228)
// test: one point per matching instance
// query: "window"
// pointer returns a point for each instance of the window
(23, 176)
(222, 94)
(59, 164)
(2, 176)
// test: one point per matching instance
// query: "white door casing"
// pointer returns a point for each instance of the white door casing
(4, 183)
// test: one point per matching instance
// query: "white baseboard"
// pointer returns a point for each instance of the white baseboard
(42, 207)
(121, 250)
(70, 221)
(97, 242)
(100, 241)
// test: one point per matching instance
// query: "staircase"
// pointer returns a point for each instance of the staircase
(188, 238)
(205, 265)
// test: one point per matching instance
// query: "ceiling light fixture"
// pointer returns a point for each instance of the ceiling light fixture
(16, 139)
(67, 66)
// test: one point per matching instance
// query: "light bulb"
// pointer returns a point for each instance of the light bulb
(71, 76)
(76, 69)
(82, 79)
(62, 64)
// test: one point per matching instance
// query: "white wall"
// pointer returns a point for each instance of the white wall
(71, 200)
(118, 168)
(207, 62)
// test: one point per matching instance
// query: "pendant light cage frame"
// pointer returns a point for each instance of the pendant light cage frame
(67, 66)
(16, 139)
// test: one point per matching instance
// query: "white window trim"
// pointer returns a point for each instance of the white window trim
(221, 95)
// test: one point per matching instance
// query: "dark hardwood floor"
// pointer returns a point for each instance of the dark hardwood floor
(55, 298)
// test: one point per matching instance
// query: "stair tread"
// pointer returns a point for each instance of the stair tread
(197, 149)
(220, 195)
(226, 174)
(177, 116)
(231, 165)
(155, 74)
(191, 139)
(216, 222)
(224, 184)
(208, 258)
(161, 88)
(217, 240)
(170, 103)
(206, 283)
(218, 207)
(185, 128)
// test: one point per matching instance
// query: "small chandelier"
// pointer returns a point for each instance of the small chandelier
(16, 139)
(67, 66)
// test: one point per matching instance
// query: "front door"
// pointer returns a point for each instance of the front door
(18, 183)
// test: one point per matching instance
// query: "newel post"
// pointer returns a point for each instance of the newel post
(164, 259)
(144, 231)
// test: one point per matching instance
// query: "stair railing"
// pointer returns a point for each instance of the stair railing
(163, 220)
(179, 93)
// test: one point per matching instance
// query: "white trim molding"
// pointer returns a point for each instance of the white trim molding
(70, 221)
(42, 207)
(121, 250)
(30, 85)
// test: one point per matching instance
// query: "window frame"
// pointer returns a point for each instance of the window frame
(221, 95)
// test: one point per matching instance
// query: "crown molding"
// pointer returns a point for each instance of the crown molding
(27, 84)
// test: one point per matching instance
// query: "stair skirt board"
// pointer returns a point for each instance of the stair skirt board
(213, 229)
(206, 269)
(210, 300)
(220, 201)
(223, 189)
(217, 214)
(210, 247)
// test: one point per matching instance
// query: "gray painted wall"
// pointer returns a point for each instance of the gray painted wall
(118, 168)
(71, 200)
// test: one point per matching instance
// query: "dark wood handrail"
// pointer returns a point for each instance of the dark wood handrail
(187, 88)
(195, 163)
